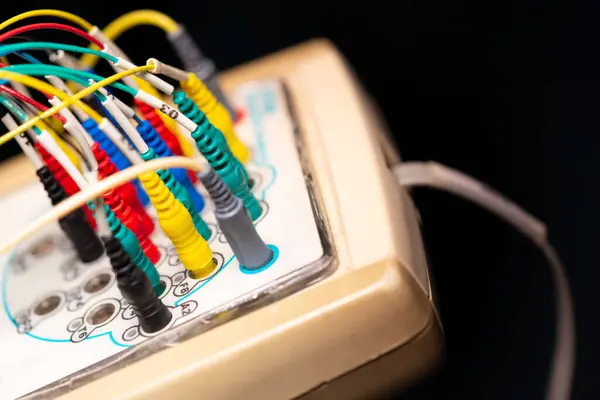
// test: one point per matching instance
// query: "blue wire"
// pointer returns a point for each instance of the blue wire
(29, 57)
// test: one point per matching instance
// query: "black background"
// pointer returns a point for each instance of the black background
(505, 91)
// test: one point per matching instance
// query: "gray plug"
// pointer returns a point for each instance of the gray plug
(194, 61)
(235, 223)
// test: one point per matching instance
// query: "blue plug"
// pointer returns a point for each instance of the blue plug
(154, 141)
(114, 153)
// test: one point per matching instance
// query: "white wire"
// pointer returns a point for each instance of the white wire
(165, 87)
(91, 191)
(62, 86)
(11, 124)
(48, 142)
(167, 110)
(441, 177)
(122, 120)
(120, 141)
(81, 136)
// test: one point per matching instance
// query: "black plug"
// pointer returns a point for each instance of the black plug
(136, 288)
(75, 225)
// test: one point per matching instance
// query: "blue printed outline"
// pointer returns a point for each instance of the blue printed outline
(256, 117)
(12, 319)
(194, 290)
(275, 251)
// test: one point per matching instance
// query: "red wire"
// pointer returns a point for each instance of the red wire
(51, 25)
(29, 100)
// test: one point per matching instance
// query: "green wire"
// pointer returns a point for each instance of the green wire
(17, 112)
(15, 47)
(65, 73)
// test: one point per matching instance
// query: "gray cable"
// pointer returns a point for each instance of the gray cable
(194, 61)
(441, 177)
(235, 223)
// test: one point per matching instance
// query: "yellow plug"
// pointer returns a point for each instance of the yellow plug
(55, 125)
(216, 114)
(186, 147)
(177, 224)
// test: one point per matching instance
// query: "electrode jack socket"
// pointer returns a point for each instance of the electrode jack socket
(235, 223)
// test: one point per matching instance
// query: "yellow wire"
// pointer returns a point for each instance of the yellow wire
(95, 190)
(48, 13)
(122, 24)
(51, 127)
(131, 20)
(46, 87)
(68, 102)
(140, 17)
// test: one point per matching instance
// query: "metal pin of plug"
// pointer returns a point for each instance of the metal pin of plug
(235, 223)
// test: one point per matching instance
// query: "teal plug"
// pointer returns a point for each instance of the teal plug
(133, 249)
(180, 194)
(213, 146)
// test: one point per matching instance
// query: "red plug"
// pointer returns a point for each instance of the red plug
(151, 115)
(132, 221)
(64, 179)
(106, 168)
(240, 114)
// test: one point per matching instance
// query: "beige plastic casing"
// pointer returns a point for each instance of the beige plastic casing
(367, 328)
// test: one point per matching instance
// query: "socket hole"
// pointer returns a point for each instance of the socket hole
(251, 182)
(47, 305)
(101, 314)
(217, 266)
(42, 248)
(97, 283)
(179, 277)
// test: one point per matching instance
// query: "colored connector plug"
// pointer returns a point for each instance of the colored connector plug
(130, 219)
(180, 194)
(75, 225)
(64, 179)
(118, 159)
(127, 191)
(176, 222)
(235, 223)
(216, 114)
(137, 289)
(160, 148)
(212, 145)
(172, 140)
(131, 245)
(151, 115)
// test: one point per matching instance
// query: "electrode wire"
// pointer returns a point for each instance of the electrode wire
(29, 100)
(94, 190)
(47, 88)
(130, 20)
(66, 103)
(48, 13)
(438, 176)
(51, 25)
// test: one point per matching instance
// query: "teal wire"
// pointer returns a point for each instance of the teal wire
(79, 76)
(16, 111)
(67, 76)
(15, 47)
